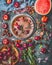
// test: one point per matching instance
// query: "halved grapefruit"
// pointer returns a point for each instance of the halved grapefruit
(42, 7)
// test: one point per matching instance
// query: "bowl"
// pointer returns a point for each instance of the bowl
(22, 26)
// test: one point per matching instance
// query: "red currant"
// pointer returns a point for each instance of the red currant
(16, 4)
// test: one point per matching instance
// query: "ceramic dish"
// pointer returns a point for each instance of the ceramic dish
(8, 55)
(22, 26)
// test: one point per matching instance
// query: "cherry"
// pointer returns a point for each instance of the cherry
(0, 53)
(5, 17)
(8, 1)
(16, 4)
(18, 45)
(13, 57)
(0, 57)
(4, 53)
(37, 38)
(43, 50)
(5, 41)
(4, 25)
(8, 49)
(4, 57)
(8, 54)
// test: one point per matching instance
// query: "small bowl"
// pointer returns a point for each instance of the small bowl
(24, 14)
